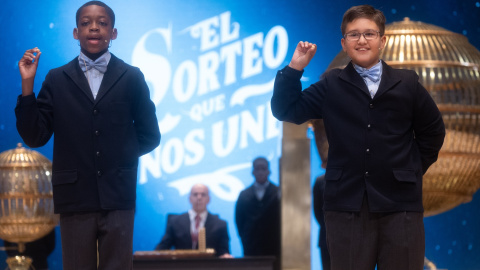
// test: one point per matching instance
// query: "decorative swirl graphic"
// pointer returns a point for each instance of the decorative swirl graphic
(239, 97)
(169, 122)
(220, 182)
(150, 64)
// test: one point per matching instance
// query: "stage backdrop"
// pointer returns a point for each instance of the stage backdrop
(210, 67)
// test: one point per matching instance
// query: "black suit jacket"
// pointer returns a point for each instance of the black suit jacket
(317, 195)
(258, 221)
(380, 146)
(97, 143)
(177, 234)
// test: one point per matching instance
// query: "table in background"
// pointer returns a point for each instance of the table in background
(210, 263)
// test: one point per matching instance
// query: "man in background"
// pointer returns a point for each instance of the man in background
(182, 230)
(257, 214)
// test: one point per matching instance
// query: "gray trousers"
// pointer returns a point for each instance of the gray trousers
(363, 240)
(112, 230)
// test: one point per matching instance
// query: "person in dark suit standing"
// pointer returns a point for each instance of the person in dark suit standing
(182, 230)
(318, 193)
(319, 190)
(257, 214)
(100, 111)
(384, 131)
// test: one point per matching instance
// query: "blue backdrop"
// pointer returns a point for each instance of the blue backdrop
(210, 67)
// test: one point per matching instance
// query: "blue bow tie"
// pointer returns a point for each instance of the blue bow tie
(100, 64)
(373, 74)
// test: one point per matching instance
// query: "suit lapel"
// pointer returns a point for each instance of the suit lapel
(252, 194)
(115, 69)
(76, 74)
(389, 80)
(268, 192)
(350, 75)
(208, 219)
(185, 227)
(185, 221)
(208, 223)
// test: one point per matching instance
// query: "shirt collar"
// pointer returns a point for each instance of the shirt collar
(192, 214)
(263, 186)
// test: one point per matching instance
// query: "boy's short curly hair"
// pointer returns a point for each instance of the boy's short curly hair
(364, 11)
(109, 11)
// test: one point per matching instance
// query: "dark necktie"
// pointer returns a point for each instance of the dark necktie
(195, 233)
(197, 222)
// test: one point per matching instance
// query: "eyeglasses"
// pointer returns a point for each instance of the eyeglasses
(355, 36)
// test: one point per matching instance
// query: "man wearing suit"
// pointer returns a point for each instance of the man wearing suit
(319, 190)
(182, 230)
(257, 214)
(100, 111)
(317, 194)
(384, 131)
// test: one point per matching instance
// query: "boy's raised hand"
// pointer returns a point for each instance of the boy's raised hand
(302, 55)
(28, 68)
(29, 63)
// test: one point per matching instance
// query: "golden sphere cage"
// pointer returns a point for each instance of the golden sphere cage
(448, 67)
(26, 198)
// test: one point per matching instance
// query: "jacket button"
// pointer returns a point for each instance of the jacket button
(369, 126)
(368, 151)
(366, 174)
(95, 112)
(371, 106)
(99, 173)
(97, 132)
(98, 153)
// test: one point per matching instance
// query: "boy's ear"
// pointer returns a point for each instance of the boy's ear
(114, 34)
(75, 33)
(343, 44)
(383, 42)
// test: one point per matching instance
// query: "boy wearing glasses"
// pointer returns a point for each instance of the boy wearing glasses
(384, 131)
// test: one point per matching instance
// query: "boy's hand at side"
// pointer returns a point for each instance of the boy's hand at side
(28, 68)
(302, 55)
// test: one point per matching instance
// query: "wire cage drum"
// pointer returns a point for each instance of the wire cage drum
(26, 199)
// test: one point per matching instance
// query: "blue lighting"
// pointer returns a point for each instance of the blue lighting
(210, 67)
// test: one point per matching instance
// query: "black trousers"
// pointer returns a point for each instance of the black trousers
(112, 230)
(325, 258)
(363, 240)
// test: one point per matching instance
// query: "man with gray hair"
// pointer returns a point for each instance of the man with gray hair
(182, 230)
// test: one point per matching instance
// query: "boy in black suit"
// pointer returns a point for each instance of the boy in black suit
(100, 111)
(384, 131)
